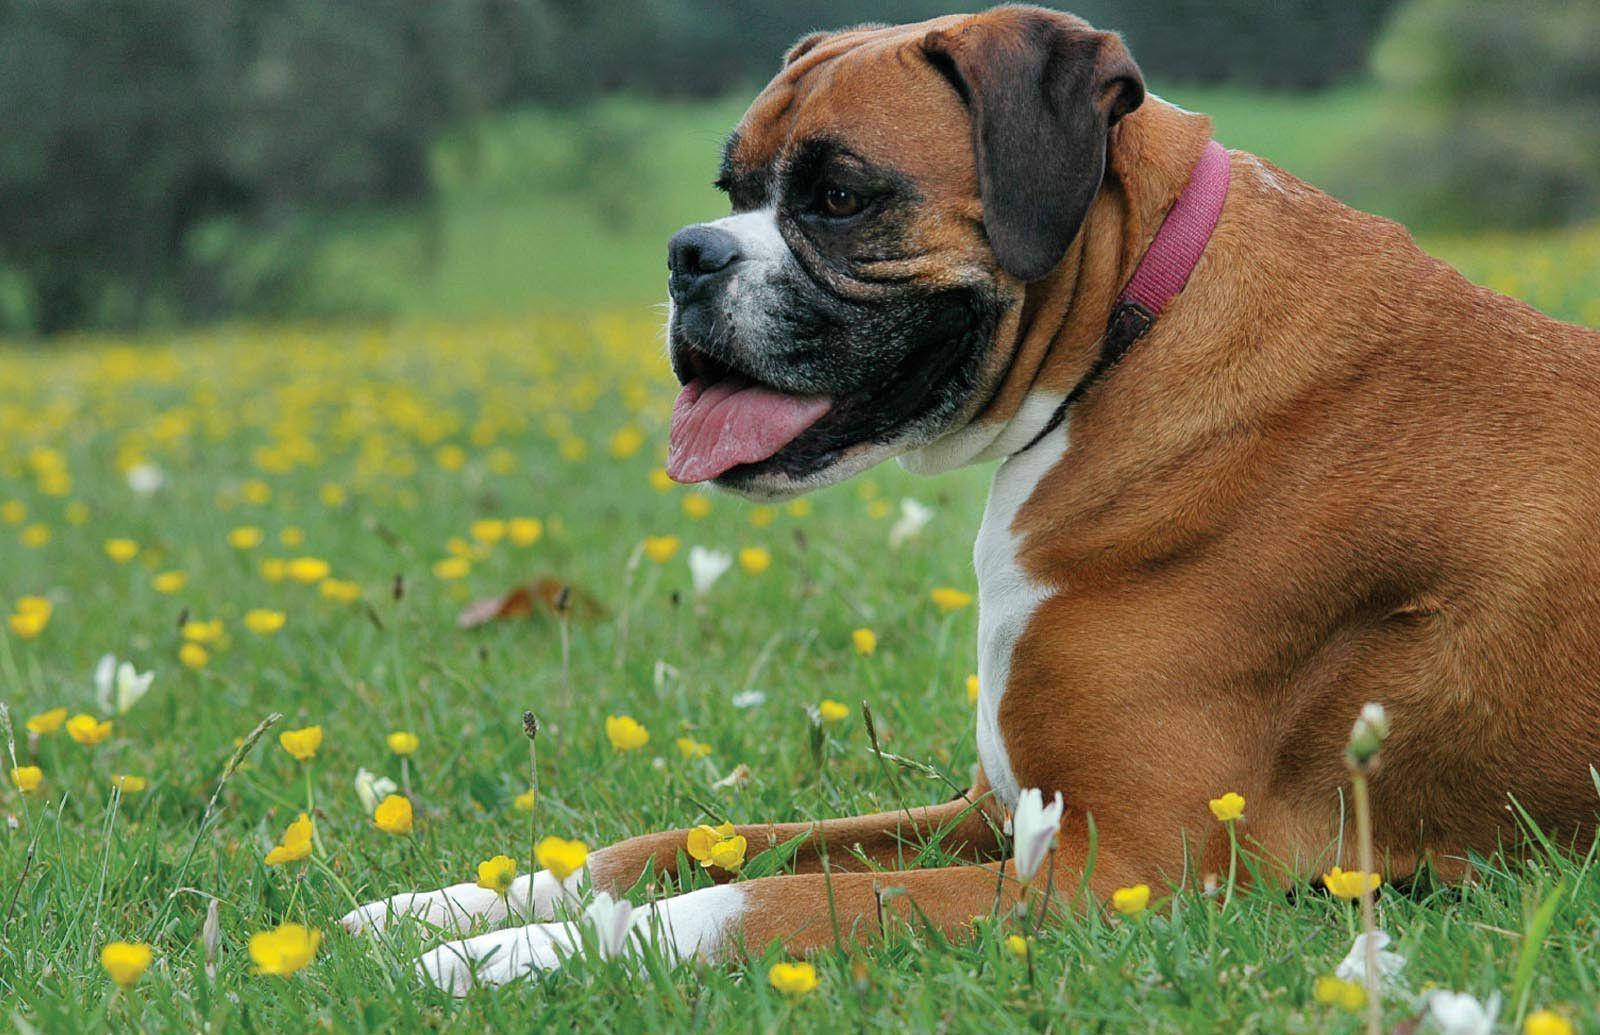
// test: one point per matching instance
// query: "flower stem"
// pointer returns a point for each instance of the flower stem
(1358, 779)
(1233, 864)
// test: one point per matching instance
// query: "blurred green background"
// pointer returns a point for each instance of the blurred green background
(170, 162)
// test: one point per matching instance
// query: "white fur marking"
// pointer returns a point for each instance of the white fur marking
(456, 908)
(696, 924)
(1007, 598)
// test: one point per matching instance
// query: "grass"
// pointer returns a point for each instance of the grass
(376, 449)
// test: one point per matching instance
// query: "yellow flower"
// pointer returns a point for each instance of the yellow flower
(690, 748)
(755, 559)
(28, 624)
(696, 505)
(263, 622)
(524, 531)
(256, 491)
(793, 979)
(331, 494)
(798, 508)
(972, 688)
(121, 550)
(47, 722)
(296, 843)
(1131, 901)
(728, 853)
(625, 733)
(948, 598)
(129, 784)
(523, 802)
(286, 949)
(661, 481)
(13, 512)
(1349, 884)
(1228, 807)
(661, 548)
(193, 655)
(126, 962)
(203, 632)
(170, 582)
(561, 857)
(832, 711)
(307, 570)
(1017, 945)
(27, 778)
(451, 457)
(626, 441)
(344, 591)
(87, 730)
(273, 569)
(292, 537)
(302, 743)
(716, 846)
(761, 517)
(452, 568)
(865, 640)
(1547, 1022)
(1333, 991)
(35, 606)
(402, 742)
(495, 874)
(35, 536)
(393, 815)
(488, 531)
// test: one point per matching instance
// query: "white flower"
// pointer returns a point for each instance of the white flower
(706, 567)
(118, 688)
(372, 789)
(737, 777)
(913, 517)
(1354, 965)
(1034, 829)
(749, 699)
(612, 920)
(146, 479)
(1457, 1013)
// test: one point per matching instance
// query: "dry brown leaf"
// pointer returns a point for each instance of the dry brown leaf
(545, 595)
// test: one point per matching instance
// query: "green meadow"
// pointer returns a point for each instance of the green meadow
(169, 500)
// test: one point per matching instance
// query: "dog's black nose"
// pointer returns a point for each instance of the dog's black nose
(695, 253)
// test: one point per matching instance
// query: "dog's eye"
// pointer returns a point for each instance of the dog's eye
(840, 203)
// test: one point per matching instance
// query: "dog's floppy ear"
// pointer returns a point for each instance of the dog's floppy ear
(1044, 90)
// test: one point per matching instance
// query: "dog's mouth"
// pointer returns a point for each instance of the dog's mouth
(724, 418)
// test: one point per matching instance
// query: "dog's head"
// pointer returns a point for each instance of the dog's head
(893, 191)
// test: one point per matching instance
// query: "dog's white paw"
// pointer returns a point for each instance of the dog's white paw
(456, 908)
(499, 958)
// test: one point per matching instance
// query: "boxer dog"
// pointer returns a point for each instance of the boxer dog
(1303, 467)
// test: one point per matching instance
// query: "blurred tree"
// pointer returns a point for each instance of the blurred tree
(1501, 105)
(166, 153)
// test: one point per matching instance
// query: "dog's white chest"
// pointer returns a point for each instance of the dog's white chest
(1007, 600)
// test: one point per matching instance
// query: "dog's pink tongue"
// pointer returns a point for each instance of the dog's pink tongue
(734, 422)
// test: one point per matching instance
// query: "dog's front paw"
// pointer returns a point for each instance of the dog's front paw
(456, 908)
(500, 958)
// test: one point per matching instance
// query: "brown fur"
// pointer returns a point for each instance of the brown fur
(1334, 472)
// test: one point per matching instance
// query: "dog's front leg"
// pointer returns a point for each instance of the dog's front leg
(966, 827)
(805, 912)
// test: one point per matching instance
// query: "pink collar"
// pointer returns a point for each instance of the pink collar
(1161, 274)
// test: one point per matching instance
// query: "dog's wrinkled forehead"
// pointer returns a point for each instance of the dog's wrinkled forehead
(870, 90)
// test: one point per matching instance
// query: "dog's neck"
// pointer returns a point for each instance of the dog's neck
(1057, 326)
